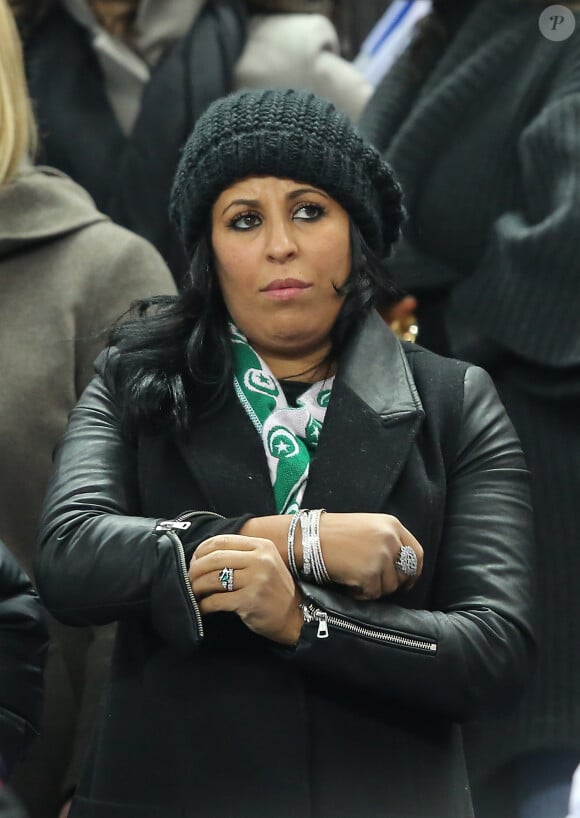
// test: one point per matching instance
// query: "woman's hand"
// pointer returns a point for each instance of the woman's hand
(360, 551)
(264, 595)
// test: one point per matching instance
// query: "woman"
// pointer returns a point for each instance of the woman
(66, 273)
(480, 121)
(272, 660)
(106, 69)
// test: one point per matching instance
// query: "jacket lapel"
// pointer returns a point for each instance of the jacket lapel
(372, 420)
(227, 460)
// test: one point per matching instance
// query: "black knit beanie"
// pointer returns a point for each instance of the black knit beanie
(289, 134)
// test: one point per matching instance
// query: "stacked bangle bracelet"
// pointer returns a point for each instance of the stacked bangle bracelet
(313, 565)
(291, 536)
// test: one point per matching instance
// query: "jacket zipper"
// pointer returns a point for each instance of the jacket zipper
(183, 521)
(324, 619)
(169, 527)
(184, 575)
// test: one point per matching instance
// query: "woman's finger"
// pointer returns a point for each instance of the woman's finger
(408, 565)
(216, 560)
(223, 542)
(408, 538)
(219, 581)
(409, 541)
(213, 603)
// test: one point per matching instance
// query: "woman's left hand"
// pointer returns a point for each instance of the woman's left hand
(264, 594)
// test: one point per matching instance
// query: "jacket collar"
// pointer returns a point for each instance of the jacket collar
(374, 367)
(371, 423)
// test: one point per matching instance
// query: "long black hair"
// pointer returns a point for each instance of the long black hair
(171, 361)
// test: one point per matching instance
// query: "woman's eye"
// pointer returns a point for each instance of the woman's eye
(245, 221)
(308, 212)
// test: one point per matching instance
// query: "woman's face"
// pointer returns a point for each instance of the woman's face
(280, 248)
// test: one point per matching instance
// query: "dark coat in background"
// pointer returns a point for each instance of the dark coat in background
(23, 646)
(206, 718)
(486, 146)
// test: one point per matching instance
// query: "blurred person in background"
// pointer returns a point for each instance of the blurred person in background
(389, 37)
(10, 806)
(66, 274)
(23, 646)
(118, 84)
(480, 118)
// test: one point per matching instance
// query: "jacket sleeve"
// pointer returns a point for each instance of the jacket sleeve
(99, 560)
(470, 652)
(524, 294)
(125, 268)
(23, 646)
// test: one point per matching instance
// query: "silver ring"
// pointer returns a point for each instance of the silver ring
(226, 578)
(406, 562)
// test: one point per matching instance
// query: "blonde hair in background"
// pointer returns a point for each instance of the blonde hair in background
(17, 127)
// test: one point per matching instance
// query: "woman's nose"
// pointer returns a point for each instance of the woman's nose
(281, 244)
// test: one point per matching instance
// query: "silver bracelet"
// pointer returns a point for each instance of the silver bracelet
(321, 575)
(306, 544)
(291, 535)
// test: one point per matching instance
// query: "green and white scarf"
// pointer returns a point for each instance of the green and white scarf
(289, 434)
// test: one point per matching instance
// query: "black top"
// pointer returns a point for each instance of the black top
(293, 389)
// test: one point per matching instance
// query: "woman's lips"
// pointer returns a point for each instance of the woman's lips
(284, 288)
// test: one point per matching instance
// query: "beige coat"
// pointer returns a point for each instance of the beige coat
(66, 273)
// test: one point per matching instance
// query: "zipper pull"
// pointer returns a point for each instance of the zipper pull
(172, 525)
(313, 614)
(322, 632)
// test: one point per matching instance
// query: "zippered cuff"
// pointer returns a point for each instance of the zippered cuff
(183, 521)
(193, 527)
(324, 621)
(175, 610)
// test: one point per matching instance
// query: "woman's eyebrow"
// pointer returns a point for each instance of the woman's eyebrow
(245, 202)
(294, 194)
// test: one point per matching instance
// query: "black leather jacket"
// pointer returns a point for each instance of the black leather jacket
(23, 645)
(310, 731)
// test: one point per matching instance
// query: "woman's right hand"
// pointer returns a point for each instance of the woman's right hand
(262, 593)
(360, 551)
